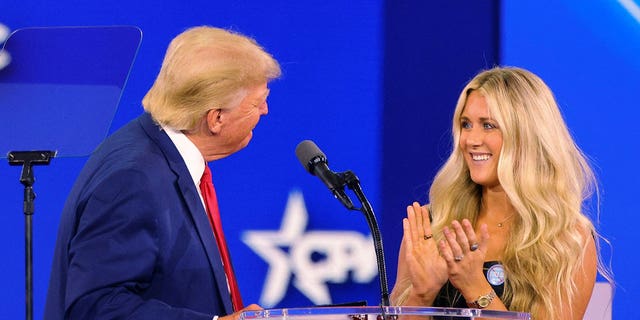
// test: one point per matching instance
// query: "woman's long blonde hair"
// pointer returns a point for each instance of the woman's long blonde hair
(545, 176)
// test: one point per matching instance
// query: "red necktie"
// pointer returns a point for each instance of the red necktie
(211, 202)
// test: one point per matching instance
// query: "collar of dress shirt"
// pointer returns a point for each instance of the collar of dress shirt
(190, 154)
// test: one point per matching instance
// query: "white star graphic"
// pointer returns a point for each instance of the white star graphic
(266, 245)
(344, 251)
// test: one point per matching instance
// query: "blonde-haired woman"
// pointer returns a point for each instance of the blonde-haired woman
(507, 230)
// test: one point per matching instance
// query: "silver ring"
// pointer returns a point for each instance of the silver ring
(474, 247)
(458, 258)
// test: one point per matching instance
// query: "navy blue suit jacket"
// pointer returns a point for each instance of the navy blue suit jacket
(134, 240)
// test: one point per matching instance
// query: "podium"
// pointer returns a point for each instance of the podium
(381, 313)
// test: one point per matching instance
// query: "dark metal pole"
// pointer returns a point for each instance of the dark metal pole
(27, 159)
(28, 252)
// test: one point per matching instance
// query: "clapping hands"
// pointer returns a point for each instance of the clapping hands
(458, 257)
(464, 254)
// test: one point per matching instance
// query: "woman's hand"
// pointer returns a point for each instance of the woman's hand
(464, 254)
(427, 270)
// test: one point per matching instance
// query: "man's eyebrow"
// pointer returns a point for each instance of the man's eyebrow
(266, 93)
(262, 97)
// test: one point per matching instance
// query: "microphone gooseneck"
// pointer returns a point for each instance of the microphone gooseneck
(315, 162)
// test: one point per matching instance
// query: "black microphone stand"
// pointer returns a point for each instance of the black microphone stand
(27, 159)
(349, 179)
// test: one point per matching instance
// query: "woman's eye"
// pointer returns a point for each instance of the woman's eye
(489, 126)
(465, 124)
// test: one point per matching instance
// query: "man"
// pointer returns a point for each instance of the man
(135, 238)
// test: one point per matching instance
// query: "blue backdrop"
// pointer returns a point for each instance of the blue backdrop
(374, 84)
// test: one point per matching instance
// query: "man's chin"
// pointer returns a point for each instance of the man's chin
(244, 143)
(246, 140)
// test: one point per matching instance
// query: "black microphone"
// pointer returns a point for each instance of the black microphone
(314, 161)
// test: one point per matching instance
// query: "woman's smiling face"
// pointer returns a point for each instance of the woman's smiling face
(480, 141)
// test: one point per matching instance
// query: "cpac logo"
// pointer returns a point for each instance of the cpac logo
(343, 251)
(4, 55)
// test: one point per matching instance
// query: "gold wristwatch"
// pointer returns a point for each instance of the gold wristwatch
(482, 301)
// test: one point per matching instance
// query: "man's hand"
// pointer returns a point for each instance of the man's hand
(236, 315)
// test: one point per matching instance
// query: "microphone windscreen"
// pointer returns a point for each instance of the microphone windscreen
(307, 150)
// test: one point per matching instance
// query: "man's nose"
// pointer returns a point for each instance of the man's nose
(264, 108)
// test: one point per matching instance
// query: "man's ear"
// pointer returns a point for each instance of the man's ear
(214, 121)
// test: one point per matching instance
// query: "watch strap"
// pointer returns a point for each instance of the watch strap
(482, 301)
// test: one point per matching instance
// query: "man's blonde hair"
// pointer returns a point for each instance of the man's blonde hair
(206, 68)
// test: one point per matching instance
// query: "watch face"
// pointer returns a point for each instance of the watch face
(483, 302)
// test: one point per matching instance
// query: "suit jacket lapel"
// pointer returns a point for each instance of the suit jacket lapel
(192, 199)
